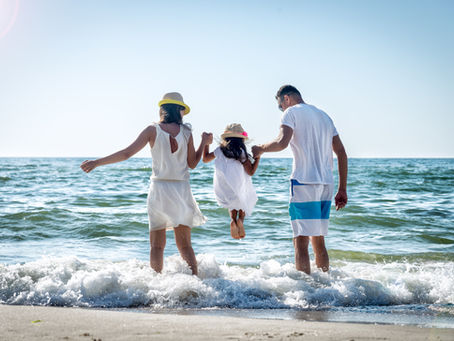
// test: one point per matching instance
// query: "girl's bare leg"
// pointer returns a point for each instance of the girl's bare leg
(157, 245)
(183, 241)
(233, 225)
(240, 224)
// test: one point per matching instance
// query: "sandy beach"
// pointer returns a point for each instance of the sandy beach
(52, 323)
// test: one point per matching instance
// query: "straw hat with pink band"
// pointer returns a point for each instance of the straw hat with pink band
(174, 98)
(234, 130)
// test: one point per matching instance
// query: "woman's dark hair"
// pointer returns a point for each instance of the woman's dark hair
(170, 113)
(232, 147)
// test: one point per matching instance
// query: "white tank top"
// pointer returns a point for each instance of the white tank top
(165, 164)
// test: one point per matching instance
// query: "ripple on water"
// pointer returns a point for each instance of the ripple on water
(395, 206)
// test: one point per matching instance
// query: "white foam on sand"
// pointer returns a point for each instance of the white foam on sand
(100, 283)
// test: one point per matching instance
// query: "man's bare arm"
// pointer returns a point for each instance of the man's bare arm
(342, 164)
(280, 143)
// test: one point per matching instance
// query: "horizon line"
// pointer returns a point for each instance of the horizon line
(263, 157)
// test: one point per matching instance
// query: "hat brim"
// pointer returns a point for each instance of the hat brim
(174, 101)
(225, 135)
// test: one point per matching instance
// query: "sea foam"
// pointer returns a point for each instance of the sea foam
(271, 285)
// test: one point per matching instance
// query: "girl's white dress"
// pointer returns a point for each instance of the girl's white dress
(170, 201)
(232, 185)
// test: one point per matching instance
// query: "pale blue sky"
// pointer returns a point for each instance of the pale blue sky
(83, 78)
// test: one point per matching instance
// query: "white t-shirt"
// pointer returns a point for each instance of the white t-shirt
(312, 143)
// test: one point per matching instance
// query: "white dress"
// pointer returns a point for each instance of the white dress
(232, 185)
(170, 201)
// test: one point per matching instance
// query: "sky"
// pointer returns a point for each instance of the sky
(82, 78)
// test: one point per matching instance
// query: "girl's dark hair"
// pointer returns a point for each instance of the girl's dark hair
(232, 148)
(170, 113)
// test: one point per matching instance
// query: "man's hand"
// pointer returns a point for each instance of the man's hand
(257, 151)
(207, 138)
(341, 199)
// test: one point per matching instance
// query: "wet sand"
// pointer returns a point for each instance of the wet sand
(52, 323)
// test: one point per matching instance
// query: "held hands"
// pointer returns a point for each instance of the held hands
(88, 165)
(341, 199)
(207, 138)
(257, 151)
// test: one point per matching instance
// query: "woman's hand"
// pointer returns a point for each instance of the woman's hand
(207, 138)
(88, 165)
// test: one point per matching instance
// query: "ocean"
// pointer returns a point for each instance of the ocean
(73, 239)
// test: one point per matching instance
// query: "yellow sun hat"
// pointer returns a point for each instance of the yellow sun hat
(234, 130)
(174, 98)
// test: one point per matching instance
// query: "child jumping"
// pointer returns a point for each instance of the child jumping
(232, 177)
(170, 201)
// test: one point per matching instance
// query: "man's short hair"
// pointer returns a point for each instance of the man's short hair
(287, 90)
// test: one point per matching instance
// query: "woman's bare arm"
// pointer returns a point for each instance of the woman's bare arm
(193, 155)
(148, 135)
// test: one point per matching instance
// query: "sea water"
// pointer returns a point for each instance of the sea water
(73, 239)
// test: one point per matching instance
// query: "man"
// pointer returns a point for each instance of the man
(313, 138)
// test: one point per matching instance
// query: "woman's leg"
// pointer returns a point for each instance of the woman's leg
(183, 241)
(240, 224)
(233, 225)
(157, 245)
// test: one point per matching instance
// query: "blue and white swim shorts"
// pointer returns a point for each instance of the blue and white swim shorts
(309, 208)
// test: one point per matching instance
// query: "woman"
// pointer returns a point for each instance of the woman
(170, 201)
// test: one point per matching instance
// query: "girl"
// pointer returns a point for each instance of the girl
(232, 177)
(170, 201)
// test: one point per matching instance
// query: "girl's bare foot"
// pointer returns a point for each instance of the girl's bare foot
(241, 232)
(234, 230)
(240, 224)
